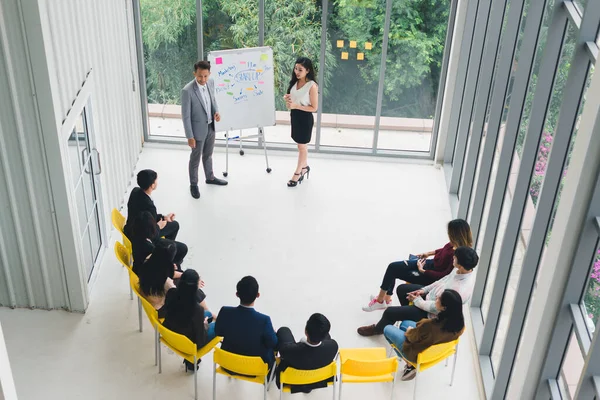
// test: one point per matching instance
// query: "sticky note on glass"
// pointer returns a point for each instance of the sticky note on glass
(368, 45)
(219, 60)
(340, 43)
(353, 44)
(360, 56)
(264, 57)
(344, 55)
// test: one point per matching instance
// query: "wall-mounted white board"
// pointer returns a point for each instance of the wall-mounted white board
(244, 87)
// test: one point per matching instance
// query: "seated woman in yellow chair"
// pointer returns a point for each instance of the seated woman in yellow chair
(184, 315)
(413, 338)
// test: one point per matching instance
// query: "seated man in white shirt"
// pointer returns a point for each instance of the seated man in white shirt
(460, 279)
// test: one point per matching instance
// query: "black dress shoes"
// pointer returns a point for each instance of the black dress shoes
(194, 191)
(216, 181)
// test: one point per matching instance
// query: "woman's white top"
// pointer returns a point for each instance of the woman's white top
(301, 96)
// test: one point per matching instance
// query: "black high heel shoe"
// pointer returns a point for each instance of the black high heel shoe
(307, 173)
(293, 183)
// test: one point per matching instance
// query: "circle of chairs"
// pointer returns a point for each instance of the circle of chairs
(359, 365)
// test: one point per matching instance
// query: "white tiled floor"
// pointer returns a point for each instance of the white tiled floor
(320, 247)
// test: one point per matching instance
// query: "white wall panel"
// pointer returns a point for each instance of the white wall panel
(31, 270)
(86, 35)
(47, 48)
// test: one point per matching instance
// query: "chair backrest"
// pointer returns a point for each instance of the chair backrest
(292, 376)
(436, 353)
(123, 255)
(148, 308)
(180, 342)
(118, 220)
(371, 368)
(245, 365)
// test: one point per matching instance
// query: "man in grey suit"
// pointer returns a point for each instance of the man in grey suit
(199, 112)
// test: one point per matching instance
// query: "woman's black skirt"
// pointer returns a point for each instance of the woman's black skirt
(302, 125)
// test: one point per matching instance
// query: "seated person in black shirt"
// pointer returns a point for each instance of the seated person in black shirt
(186, 316)
(140, 200)
(145, 236)
(157, 273)
(316, 351)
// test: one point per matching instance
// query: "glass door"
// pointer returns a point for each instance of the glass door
(84, 162)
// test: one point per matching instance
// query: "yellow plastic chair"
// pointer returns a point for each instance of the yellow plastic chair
(118, 221)
(124, 257)
(185, 348)
(367, 365)
(292, 376)
(151, 312)
(256, 369)
(432, 356)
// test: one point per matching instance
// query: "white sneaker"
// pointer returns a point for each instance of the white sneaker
(388, 302)
(375, 305)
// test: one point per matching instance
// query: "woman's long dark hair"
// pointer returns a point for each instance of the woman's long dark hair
(185, 301)
(158, 268)
(310, 75)
(452, 318)
(144, 226)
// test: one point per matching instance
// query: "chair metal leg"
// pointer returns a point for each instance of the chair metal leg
(416, 381)
(281, 391)
(214, 381)
(140, 313)
(393, 385)
(340, 389)
(333, 386)
(447, 361)
(159, 357)
(454, 366)
(270, 377)
(195, 380)
(265, 387)
(130, 292)
(156, 345)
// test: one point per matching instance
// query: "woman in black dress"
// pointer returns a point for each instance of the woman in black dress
(302, 99)
(186, 315)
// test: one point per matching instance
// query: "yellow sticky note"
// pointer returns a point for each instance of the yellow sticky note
(344, 55)
(368, 45)
(340, 43)
(264, 57)
(360, 56)
(353, 44)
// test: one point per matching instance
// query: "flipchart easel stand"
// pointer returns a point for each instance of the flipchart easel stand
(240, 138)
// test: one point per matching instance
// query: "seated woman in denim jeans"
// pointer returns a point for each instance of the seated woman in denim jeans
(413, 338)
(187, 315)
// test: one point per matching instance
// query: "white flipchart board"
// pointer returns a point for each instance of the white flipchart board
(244, 87)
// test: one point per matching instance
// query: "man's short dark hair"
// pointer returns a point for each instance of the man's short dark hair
(466, 257)
(202, 65)
(317, 328)
(145, 178)
(247, 290)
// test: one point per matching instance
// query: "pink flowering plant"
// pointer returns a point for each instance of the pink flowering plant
(540, 166)
(592, 294)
